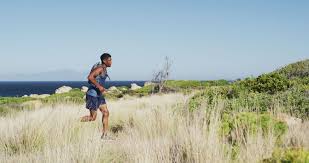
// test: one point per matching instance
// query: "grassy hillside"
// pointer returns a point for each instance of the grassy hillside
(295, 70)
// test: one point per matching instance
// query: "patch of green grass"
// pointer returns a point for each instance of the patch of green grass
(144, 91)
(14, 100)
(74, 96)
(289, 156)
(184, 84)
(221, 82)
(10, 105)
(193, 84)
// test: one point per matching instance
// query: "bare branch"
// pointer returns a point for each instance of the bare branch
(162, 75)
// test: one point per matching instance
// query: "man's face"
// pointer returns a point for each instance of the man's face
(108, 62)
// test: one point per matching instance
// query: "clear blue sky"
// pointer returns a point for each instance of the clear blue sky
(205, 39)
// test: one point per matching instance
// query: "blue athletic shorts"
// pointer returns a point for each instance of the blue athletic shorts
(93, 103)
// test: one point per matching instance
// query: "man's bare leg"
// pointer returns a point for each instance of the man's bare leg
(91, 117)
(105, 115)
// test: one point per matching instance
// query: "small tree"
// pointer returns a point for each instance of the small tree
(161, 76)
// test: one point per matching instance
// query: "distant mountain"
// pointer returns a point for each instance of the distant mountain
(299, 69)
(58, 75)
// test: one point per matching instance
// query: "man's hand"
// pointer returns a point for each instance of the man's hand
(102, 89)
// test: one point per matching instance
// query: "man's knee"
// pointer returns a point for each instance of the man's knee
(104, 110)
(106, 113)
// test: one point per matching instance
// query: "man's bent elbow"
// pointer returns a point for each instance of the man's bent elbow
(90, 77)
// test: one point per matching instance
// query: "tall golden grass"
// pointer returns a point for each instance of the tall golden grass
(158, 128)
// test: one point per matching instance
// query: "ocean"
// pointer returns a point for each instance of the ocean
(20, 88)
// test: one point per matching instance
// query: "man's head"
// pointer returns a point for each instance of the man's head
(106, 59)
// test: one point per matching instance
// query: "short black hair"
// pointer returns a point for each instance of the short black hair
(105, 56)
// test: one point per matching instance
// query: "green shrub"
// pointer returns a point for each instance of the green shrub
(295, 101)
(211, 94)
(243, 123)
(123, 89)
(207, 96)
(300, 82)
(267, 83)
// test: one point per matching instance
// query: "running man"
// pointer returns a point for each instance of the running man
(94, 96)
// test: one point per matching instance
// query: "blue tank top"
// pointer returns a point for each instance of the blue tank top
(93, 90)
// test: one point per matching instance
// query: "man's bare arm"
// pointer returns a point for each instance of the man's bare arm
(93, 74)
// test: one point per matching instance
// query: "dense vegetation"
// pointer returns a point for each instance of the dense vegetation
(250, 105)
(295, 70)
